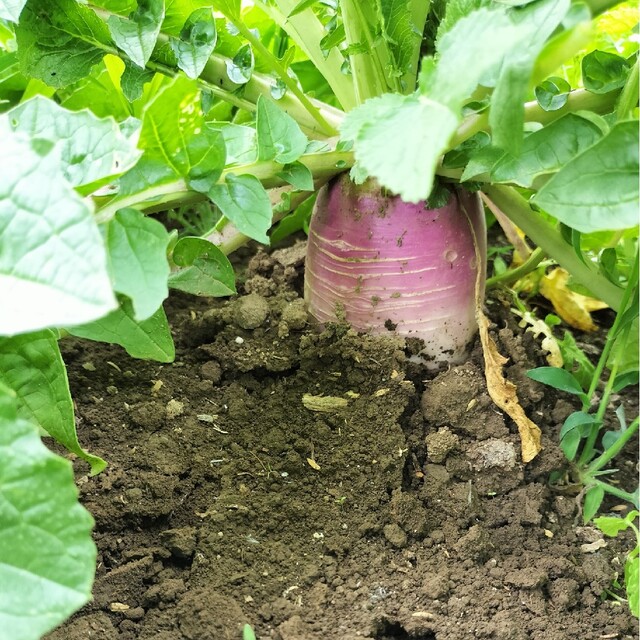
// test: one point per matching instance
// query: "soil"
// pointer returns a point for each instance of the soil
(320, 485)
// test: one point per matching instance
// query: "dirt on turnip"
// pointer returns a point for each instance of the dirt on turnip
(319, 485)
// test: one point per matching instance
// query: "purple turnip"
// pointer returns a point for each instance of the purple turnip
(385, 264)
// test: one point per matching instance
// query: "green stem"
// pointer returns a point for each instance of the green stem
(275, 64)
(548, 238)
(513, 275)
(614, 491)
(367, 67)
(419, 13)
(629, 97)
(613, 450)
(307, 32)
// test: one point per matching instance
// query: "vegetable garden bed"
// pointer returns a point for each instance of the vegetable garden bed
(231, 498)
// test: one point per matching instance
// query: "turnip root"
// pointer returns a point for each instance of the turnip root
(383, 264)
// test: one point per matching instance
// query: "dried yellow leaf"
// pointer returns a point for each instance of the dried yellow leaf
(326, 404)
(313, 464)
(380, 392)
(574, 308)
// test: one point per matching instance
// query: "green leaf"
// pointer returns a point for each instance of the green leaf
(175, 136)
(137, 34)
(575, 360)
(59, 41)
(137, 247)
(547, 150)
(612, 526)
(297, 220)
(196, 43)
(240, 143)
(632, 582)
(577, 420)
(570, 443)
(592, 501)
(405, 162)
(598, 189)
(247, 630)
(47, 556)
(243, 200)
(241, 67)
(32, 366)
(206, 270)
(534, 23)
(53, 265)
(553, 93)
(279, 136)
(93, 150)
(298, 175)
(149, 339)
(603, 72)
(133, 80)
(10, 9)
(556, 378)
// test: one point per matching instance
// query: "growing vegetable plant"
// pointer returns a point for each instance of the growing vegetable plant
(390, 120)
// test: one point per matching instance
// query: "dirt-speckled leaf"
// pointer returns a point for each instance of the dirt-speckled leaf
(137, 34)
(149, 339)
(205, 271)
(10, 9)
(547, 150)
(137, 247)
(59, 41)
(243, 200)
(32, 366)
(598, 189)
(196, 43)
(279, 136)
(47, 556)
(53, 265)
(93, 150)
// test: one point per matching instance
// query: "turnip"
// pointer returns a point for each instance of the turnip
(385, 264)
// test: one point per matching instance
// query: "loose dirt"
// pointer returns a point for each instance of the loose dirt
(319, 485)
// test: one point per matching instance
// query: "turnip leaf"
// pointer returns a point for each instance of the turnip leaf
(547, 150)
(53, 266)
(31, 365)
(196, 42)
(59, 41)
(278, 134)
(133, 80)
(244, 201)
(149, 339)
(598, 189)
(137, 248)
(93, 150)
(603, 72)
(10, 9)
(47, 556)
(205, 271)
(137, 34)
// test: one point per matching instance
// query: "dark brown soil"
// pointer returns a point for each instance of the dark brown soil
(394, 507)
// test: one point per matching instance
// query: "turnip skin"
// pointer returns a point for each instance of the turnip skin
(382, 263)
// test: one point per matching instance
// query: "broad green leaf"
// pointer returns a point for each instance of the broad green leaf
(137, 34)
(240, 143)
(556, 378)
(297, 175)
(32, 366)
(570, 443)
(205, 271)
(547, 150)
(177, 12)
(177, 141)
(196, 42)
(455, 11)
(243, 200)
(404, 162)
(603, 72)
(598, 189)
(632, 582)
(534, 23)
(241, 67)
(553, 93)
(133, 80)
(59, 41)
(278, 134)
(149, 339)
(47, 556)
(137, 247)
(93, 150)
(10, 9)
(577, 420)
(592, 501)
(53, 265)
(402, 36)
(248, 633)
(612, 526)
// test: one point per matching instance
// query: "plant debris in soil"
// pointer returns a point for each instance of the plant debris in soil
(319, 485)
